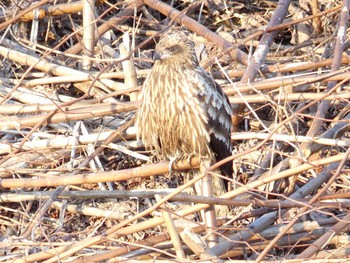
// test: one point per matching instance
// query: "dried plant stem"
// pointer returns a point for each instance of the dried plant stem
(265, 221)
(120, 18)
(88, 32)
(74, 114)
(24, 12)
(52, 68)
(68, 92)
(174, 236)
(260, 53)
(289, 97)
(304, 209)
(324, 240)
(339, 48)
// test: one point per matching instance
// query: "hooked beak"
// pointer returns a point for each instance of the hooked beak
(157, 56)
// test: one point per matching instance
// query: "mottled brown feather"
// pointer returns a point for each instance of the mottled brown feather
(183, 110)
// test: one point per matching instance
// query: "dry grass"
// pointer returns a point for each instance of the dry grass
(76, 186)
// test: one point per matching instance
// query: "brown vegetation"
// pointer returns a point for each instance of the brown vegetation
(76, 186)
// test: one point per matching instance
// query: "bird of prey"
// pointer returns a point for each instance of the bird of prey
(183, 111)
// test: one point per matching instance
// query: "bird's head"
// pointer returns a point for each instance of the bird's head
(175, 48)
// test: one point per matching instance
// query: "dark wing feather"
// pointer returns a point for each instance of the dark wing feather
(219, 121)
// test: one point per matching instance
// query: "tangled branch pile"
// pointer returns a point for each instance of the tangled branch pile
(76, 186)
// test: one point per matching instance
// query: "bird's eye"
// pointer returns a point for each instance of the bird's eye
(172, 48)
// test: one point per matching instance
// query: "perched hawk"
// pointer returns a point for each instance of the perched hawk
(183, 110)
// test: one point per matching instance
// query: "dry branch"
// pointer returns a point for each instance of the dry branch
(338, 52)
(18, 17)
(74, 184)
(53, 68)
(80, 113)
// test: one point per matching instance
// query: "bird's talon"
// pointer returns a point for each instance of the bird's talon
(172, 161)
(189, 158)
